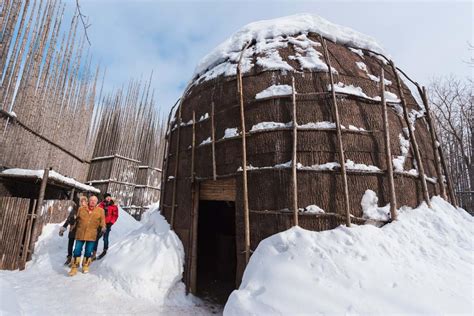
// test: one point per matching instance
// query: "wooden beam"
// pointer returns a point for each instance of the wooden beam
(414, 143)
(293, 159)
(245, 198)
(434, 143)
(340, 147)
(193, 147)
(31, 226)
(175, 180)
(218, 190)
(213, 144)
(388, 151)
(194, 241)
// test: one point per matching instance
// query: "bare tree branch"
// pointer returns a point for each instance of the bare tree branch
(85, 24)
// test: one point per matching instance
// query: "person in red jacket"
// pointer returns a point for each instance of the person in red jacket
(111, 216)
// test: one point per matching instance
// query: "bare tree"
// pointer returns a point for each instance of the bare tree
(452, 101)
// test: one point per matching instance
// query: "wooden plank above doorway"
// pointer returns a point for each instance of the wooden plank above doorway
(217, 190)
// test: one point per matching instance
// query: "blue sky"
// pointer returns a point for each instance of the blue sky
(134, 37)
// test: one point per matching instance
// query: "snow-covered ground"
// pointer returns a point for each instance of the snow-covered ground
(140, 275)
(421, 264)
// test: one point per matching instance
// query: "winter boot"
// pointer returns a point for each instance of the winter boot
(85, 264)
(102, 255)
(93, 257)
(74, 264)
(68, 261)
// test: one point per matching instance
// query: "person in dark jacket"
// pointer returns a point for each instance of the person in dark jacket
(111, 216)
(71, 222)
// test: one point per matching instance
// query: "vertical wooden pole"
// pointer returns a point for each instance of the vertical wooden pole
(421, 170)
(213, 136)
(164, 173)
(240, 89)
(31, 227)
(194, 245)
(434, 142)
(73, 191)
(175, 180)
(293, 159)
(340, 147)
(193, 147)
(388, 151)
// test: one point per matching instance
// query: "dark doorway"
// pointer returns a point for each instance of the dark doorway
(216, 250)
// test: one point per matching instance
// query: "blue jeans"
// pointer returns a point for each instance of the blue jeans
(106, 239)
(80, 244)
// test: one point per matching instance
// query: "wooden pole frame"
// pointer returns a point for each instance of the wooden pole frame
(340, 147)
(31, 226)
(414, 143)
(434, 142)
(244, 157)
(166, 153)
(213, 144)
(293, 159)
(193, 147)
(194, 239)
(388, 151)
(176, 169)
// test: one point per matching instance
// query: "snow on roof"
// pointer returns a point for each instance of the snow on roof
(268, 35)
(52, 175)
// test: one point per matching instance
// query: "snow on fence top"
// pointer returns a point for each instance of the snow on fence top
(270, 35)
(52, 175)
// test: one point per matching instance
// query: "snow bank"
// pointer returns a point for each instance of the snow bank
(274, 90)
(370, 207)
(9, 303)
(148, 263)
(421, 264)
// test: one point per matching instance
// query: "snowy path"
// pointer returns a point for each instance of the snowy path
(44, 288)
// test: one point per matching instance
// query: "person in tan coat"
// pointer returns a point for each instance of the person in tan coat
(89, 221)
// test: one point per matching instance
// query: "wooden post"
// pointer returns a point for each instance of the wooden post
(213, 136)
(31, 228)
(340, 147)
(293, 159)
(388, 151)
(73, 191)
(421, 170)
(193, 147)
(166, 153)
(194, 241)
(240, 89)
(175, 180)
(434, 142)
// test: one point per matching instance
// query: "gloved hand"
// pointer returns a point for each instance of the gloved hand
(61, 231)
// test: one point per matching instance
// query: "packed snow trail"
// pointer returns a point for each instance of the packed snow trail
(141, 274)
(421, 264)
